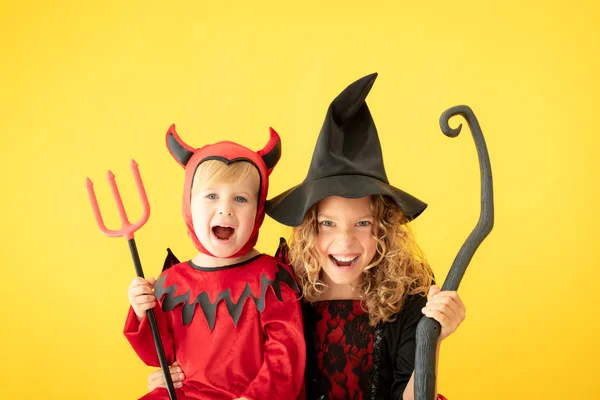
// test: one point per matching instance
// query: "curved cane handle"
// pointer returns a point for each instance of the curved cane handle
(428, 330)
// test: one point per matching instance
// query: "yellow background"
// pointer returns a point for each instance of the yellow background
(87, 86)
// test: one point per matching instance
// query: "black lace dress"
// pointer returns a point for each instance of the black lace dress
(349, 359)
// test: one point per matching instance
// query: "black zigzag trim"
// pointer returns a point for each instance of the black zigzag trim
(210, 309)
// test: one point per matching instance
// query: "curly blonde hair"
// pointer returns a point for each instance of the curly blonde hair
(399, 268)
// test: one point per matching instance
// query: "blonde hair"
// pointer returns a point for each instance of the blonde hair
(214, 171)
(399, 268)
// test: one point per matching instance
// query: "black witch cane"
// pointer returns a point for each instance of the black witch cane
(428, 329)
(127, 230)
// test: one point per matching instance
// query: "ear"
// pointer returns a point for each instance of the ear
(180, 151)
(271, 153)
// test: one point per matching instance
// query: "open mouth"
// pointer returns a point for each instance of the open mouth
(344, 261)
(223, 232)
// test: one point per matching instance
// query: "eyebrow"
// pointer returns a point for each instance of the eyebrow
(235, 193)
(367, 216)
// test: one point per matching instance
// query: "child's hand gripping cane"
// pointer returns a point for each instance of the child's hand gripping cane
(127, 230)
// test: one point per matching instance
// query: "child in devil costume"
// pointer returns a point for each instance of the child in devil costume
(230, 316)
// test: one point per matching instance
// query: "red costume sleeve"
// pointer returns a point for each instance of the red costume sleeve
(140, 337)
(282, 373)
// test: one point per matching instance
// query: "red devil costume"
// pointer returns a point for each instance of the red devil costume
(235, 330)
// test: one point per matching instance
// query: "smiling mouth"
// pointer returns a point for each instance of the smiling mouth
(343, 261)
(223, 232)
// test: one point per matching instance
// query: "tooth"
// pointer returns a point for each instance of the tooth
(344, 259)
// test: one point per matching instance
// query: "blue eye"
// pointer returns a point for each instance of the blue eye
(211, 196)
(326, 223)
(363, 223)
(241, 199)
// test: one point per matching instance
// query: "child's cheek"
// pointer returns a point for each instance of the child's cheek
(323, 240)
(365, 236)
(325, 235)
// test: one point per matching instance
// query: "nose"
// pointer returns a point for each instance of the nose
(345, 238)
(225, 208)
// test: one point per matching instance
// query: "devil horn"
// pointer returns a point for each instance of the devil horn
(180, 151)
(271, 153)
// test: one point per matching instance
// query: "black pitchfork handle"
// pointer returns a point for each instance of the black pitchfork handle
(153, 325)
(428, 329)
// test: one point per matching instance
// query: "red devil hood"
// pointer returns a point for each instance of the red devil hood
(190, 158)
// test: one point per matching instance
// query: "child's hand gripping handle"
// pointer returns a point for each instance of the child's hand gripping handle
(127, 230)
(428, 330)
(153, 325)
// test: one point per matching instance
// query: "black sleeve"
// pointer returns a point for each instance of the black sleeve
(403, 359)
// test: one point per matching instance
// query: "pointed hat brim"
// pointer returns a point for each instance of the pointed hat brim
(290, 207)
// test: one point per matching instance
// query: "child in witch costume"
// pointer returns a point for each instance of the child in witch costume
(230, 316)
(363, 278)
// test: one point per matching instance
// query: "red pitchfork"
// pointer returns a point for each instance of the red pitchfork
(127, 230)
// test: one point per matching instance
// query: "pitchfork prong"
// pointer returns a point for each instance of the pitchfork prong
(92, 196)
(117, 196)
(142, 192)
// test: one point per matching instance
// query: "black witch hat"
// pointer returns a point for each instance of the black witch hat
(347, 161)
